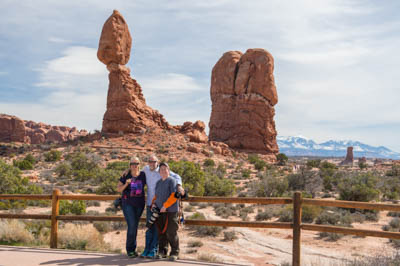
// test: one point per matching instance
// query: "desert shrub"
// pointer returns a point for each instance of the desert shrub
(246, 173)
(379, 259)
(286, 214)
(395, 223)
(203, 205)
(103, 227)
(81, 237)
(282, 159)
(11, 182)
(218, 186)
(63, 170)
(260, 165)
(333, 217)
(395, 171)
(310, 213)
(230, 236)
(197, 216)
(390, 188)
(52, 156)
(14, 232)
(118, 165)
(194, 243)
(107, 180)
(371, 215)
(305, 180)
(393, 214)
(269, 186)
(224, 211)
(29, 157)
(253, 158)
(209, 258)
(313, 163)
(209, 162)
(23, 164)
(213, 231)
(262, 216)
(359, 187)
(193, 178)
(327, 165)
(188, 208)
(204, 230)
(362, 165)
(76, 207)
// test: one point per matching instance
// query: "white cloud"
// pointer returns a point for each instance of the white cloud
(3, 73)
(336, 61)
(58, 40)
(169, 84)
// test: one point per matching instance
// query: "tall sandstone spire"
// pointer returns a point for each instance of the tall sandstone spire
(243, 95)
(127, 111)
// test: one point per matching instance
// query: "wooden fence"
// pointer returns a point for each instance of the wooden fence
(297, 226)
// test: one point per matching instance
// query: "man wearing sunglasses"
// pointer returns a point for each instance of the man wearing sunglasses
(152, 176)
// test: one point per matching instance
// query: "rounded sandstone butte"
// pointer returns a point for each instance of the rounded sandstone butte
(243, 96)
(115, 41)
(11, 129)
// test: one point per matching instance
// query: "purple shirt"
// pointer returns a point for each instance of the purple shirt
(133, 194)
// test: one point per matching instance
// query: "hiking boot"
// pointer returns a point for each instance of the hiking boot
(161, 256)
(173, 257)
(132, 254)
(151, 255)
(144, 254)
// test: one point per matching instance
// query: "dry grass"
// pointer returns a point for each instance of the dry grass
(14, 232)
(209, 258)
(82, 237)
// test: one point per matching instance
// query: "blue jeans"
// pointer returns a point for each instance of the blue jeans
(132, 216)
(151, 235)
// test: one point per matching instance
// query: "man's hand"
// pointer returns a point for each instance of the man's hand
(181, 190)
(163, 209)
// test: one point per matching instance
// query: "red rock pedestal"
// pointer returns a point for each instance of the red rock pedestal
(243, 96)
(127, 111)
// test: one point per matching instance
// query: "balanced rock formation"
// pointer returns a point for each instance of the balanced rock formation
(243, 96)
(349, 156)
(15, 129)
(127, 111)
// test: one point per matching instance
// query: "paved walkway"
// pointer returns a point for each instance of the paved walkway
(21, 256)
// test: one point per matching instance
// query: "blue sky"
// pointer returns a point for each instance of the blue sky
(336, 62)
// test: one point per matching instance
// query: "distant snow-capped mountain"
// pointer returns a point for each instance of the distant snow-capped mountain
(302, 146)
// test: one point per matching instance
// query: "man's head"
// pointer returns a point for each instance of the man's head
(134, 164)
(164, 170)
(153, 162)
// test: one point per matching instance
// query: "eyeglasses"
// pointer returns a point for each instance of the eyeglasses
(152, 161)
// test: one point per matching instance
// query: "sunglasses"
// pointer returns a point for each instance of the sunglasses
(136, 164)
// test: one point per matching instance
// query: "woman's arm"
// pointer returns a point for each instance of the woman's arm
(121, 187)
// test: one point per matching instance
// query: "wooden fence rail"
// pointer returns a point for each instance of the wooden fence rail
(296, 226)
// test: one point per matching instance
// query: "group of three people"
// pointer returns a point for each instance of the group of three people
(161, 187)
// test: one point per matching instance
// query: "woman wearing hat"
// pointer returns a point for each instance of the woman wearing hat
(132, 185)
(167, 223)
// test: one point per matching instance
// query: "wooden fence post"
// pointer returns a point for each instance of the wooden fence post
(296, 253)
(55, 206)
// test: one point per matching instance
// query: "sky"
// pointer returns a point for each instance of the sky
(336, 62)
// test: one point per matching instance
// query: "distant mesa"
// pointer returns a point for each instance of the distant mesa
(243, 95)
(14, 129)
